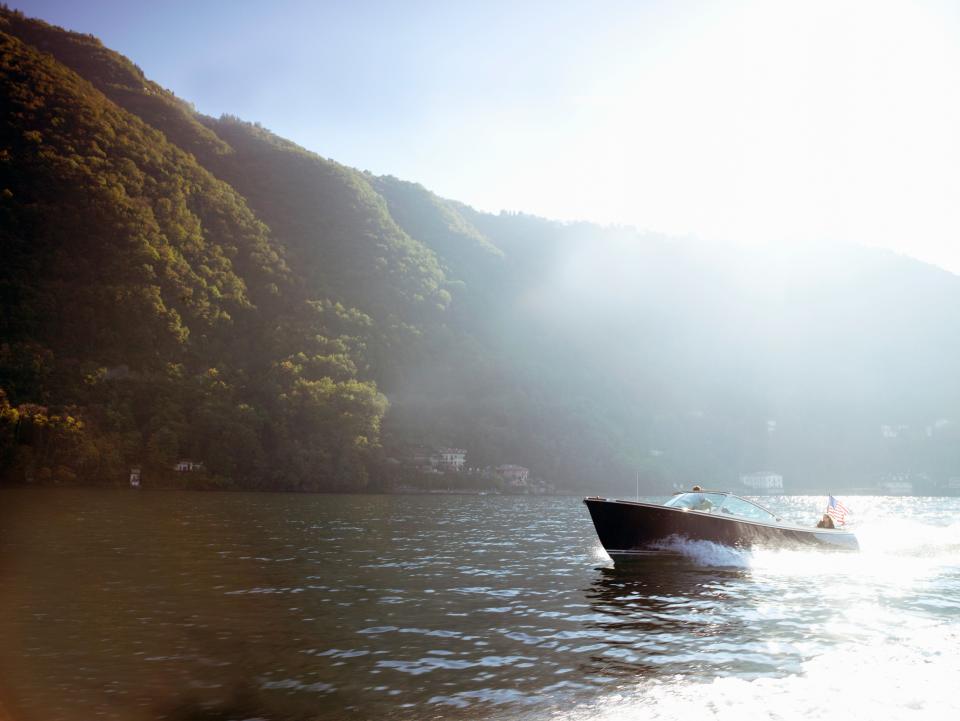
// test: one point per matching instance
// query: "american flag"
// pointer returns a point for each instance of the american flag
(837, 511)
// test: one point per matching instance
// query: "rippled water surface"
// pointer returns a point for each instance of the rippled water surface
(138, 605)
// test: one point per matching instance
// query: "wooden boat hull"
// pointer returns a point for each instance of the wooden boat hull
(628, 528)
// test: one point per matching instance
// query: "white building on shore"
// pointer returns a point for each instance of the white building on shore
(896, 488)
(450, 459)
(763, 481)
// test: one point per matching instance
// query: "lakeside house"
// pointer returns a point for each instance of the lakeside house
(442, 460)
(905, 483)
(893, 431)
(187, 466)
(896, 488)
(763, 481)
(450, 459)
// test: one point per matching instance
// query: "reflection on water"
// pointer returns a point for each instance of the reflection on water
(228, 606)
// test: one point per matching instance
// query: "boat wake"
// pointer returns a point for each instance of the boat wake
(888, 547)
(706, 553)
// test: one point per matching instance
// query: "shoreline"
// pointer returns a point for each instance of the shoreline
(562, 493)
(331, 492)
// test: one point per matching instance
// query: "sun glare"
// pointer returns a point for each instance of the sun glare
(759, 122)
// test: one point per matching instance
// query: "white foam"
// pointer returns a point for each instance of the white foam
(598, 554)
(706, 553)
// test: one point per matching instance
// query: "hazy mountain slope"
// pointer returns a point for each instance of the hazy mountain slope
(339, 235)
(467, 254)
(716, 359)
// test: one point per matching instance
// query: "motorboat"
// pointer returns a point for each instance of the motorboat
(630, 528)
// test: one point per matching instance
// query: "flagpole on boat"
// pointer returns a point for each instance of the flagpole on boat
(638, 485)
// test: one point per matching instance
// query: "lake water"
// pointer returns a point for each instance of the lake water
(139, 605)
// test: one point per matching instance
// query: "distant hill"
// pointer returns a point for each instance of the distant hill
(178, 286)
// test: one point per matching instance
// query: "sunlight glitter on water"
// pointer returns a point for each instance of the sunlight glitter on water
(877, 682)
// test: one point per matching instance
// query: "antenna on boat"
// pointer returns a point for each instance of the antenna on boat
(638, 485)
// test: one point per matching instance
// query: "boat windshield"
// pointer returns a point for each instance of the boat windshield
(696, 501)
(727, 504)
(745, 509)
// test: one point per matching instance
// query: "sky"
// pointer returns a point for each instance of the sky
(754, 121)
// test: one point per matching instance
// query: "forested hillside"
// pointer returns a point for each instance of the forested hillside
(178, 286)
